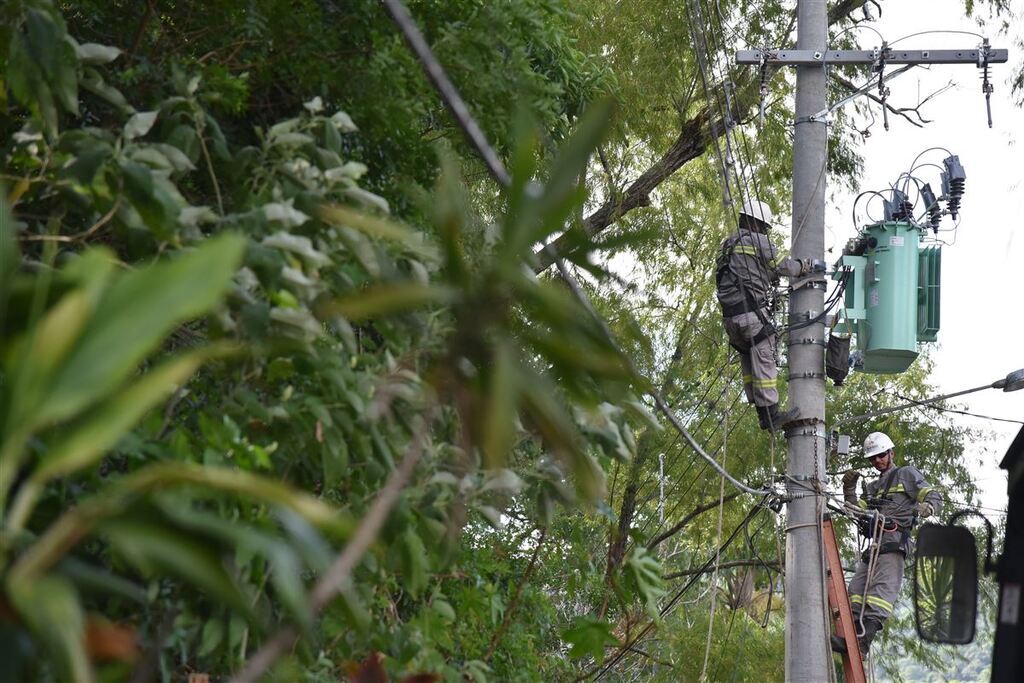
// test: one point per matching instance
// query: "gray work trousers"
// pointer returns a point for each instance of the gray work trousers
(883, 589)
(758, 363)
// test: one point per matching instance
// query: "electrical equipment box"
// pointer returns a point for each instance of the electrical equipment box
(892, 294)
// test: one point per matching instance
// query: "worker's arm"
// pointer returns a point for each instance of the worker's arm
(786, 266)
(929, 501)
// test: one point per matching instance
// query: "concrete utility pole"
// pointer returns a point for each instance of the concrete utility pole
(807, 651)
(808, 656)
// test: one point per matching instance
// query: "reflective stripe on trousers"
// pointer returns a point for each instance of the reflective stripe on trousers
(758, 364)
(882, 591)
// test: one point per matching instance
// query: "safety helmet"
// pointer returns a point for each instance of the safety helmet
(876, 444)
(758, 210)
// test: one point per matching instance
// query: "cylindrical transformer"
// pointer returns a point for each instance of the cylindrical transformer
(888, 333)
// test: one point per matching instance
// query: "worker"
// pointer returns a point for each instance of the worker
(897, 500)
(748, 269)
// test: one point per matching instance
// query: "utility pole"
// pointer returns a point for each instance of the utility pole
(807, 651)
(808, 657)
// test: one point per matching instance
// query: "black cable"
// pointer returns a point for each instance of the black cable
(625, 649)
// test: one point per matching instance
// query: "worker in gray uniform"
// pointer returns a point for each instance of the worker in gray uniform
(900, 497)
(747, 271)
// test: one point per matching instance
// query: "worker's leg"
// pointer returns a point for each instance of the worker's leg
(882, 591)
(737, 328)
(764, 372)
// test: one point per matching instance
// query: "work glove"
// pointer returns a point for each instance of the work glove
(925, 510)
(810, 266)
(850, 478)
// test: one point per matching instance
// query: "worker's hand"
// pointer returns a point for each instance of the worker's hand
(850, 478)
(810, 266)
(925, 510)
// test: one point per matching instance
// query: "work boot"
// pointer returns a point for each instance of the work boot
(771, 419)
(838, 644)
(871, 628)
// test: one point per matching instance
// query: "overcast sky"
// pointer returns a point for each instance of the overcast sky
(982, 328)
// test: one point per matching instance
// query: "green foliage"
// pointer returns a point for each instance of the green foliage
(228, 303)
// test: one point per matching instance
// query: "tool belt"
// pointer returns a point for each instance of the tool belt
(746, 306)
(887, 547)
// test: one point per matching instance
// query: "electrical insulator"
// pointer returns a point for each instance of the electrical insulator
(899, 208)
(953, 180)
(931, 205)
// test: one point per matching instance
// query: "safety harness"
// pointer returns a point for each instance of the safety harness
(889, 525)
(730, 246)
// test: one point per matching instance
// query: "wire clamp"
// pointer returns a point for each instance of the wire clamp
(808, 340)
(805, 375)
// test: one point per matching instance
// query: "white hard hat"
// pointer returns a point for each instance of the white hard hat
(876, 444)
(759, 210)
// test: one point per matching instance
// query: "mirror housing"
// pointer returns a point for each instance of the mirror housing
(945, 584)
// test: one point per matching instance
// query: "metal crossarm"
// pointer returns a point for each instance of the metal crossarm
(868, 57)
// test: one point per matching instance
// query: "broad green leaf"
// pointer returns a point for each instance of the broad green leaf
(133, 316)
(50, 606)
(414, 561)
(139, 124)
(384, 300)
(99, 432)
(589, 638)
(644, 572)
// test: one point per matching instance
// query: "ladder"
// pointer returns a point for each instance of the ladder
(839, 606)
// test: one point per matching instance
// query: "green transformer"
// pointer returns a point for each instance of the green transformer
(892, 294)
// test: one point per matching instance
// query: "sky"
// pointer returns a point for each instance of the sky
(982, 328)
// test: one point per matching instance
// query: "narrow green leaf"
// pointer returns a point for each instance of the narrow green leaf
(50, 606)
(157, 549)
(101, 430)
(498, 433)
(383, 300)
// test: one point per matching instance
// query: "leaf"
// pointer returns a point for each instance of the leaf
(414, 562)
(133, 316)
(285, 214)
(498, 429)
(375, 226)
(589, 638)
(94, 53)
(157, 549)
(503, 480)
(384, 300)
(644, 573)
(88, 442)
(139, 124)
(50, 606)
(296, 244)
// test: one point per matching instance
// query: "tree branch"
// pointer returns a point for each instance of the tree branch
(723, 565)
(694, 136)
(678, 526)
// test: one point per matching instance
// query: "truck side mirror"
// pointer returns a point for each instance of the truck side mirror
(945, 584)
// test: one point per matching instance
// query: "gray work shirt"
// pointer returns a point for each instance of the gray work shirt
(753, 264)
(895, 495)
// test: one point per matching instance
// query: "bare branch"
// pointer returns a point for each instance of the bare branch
(724, 565)
(696, 512)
